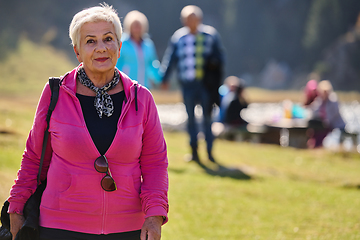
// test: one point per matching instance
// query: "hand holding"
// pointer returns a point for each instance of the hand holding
(164, 86)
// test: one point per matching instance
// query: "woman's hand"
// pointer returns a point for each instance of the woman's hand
(164, 86)
(16, 222)
(152, 228)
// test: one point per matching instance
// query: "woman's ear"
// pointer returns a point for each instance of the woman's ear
(77, 54)
(119, 49)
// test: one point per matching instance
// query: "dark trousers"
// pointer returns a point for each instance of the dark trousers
(59, 234)
(316, 133)
(194, 93)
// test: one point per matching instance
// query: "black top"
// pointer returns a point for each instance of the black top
(102, 130)
(233, 112)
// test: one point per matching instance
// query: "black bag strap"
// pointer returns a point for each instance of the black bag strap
(54, 83)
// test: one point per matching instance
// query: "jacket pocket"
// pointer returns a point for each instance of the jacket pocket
(59, 180)
(126, 198)
(83, 195)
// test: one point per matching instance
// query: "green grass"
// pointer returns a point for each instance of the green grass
(291, 193)
(28, 68)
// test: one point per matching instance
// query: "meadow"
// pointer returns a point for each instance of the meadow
(256, 191)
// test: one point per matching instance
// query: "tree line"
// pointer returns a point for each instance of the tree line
(263, 39)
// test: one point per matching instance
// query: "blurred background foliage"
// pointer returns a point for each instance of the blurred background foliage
(272, 44)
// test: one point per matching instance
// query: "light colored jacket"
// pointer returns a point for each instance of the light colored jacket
(144, 67)
(73, 199)
(332, 113)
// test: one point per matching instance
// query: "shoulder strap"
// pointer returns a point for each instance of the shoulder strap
(54, 86)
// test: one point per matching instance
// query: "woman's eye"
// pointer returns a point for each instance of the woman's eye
(108, 39)
(90, 41)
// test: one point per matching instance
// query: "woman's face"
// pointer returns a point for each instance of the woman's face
(324, 94)
(99, 49)
(136, 30)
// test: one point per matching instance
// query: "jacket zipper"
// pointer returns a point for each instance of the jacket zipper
(70, 92)
(104, 213)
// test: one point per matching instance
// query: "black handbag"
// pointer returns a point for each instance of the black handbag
(30, 229)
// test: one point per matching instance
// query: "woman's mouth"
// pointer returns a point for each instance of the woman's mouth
(101, 59)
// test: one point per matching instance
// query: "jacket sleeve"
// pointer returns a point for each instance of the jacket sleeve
(153, 163)
(168, 60)
(333, 116)
(26, 182)
(218, 49)
(315, 108)
(121, 60)
(152, 67)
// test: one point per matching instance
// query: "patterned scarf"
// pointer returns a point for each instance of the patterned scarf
(103, 102)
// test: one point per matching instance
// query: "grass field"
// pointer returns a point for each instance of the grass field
(292, 194)
(255, 192)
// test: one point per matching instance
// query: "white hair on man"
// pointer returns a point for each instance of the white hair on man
(104, 12)
(189, 10)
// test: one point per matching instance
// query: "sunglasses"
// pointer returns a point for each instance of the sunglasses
(102, 166)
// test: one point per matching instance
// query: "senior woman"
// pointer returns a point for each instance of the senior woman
(138, 58)
(106, 162)
(326, 115)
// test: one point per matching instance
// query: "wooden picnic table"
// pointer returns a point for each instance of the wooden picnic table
(287, 132)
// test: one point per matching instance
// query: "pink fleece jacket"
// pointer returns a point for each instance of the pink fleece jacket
(73, 199)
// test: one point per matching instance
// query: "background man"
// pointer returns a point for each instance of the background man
(197, 52)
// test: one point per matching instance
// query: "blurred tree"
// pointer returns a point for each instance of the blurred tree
(342, 60)
(323, 26)
(294, 32)
(331, 42)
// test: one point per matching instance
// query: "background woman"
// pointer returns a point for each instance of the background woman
(326, 114)
(138, 58)
(106, 161)
(310, 92)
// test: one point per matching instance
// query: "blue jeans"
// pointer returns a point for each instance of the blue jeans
(195, 93)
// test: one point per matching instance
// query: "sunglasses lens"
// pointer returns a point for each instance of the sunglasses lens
(108, 183)
(101, 164)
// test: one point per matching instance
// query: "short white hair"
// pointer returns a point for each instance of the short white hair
(189, 10)
(104, 12)
(134, 16)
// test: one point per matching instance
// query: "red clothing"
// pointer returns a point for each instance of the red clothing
(73, 199)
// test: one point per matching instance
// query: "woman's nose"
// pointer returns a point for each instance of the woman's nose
(101, 46)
